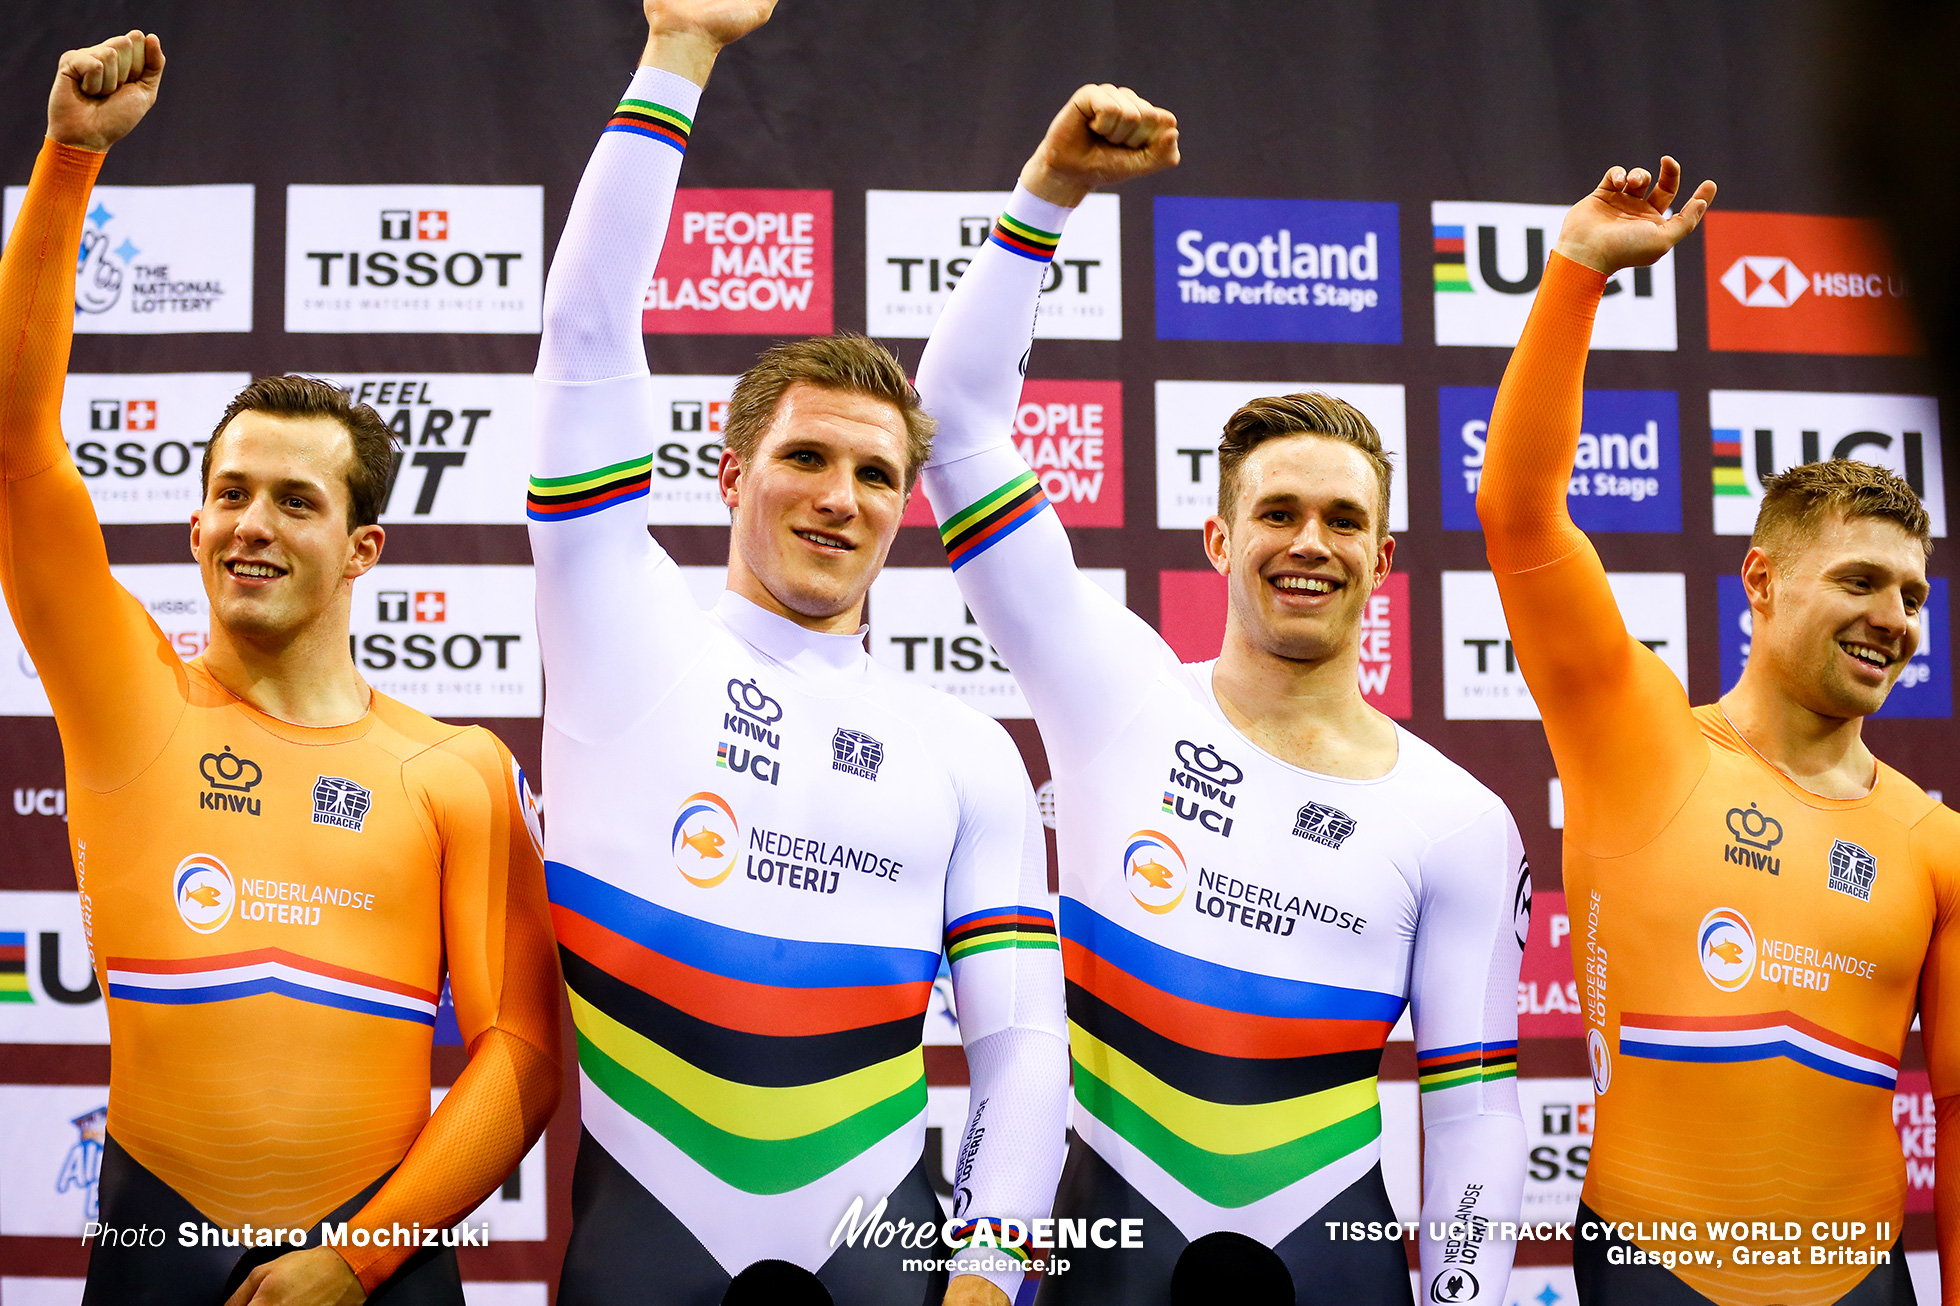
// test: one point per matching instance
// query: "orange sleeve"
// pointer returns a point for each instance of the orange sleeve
(83, 630)
(1619, 723)
(503, 977)
(1936, 851)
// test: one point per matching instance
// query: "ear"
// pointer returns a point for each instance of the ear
(197, 531)
(728, 477)
(1384, 562)
(1758, 580)
(364, 550)
(1218, 545)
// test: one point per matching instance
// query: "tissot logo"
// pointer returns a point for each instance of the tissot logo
(160, 259)
(1924, 688)
(1758, 433)
(452, 641)
(689, 412)
(1191, 414)
(414, 258)
(138, 440)
(1481, 680)
(1795, 283)
(1625, 477)
(921, 628)
(744, 262)
(1489, 259)
(917, 245)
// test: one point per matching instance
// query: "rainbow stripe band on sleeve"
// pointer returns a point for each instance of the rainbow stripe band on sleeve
(1000, 927)
(1467, 1063)
(1029, 242)
(645, 118)
(975, 529)
(561, 498)
(968, 1236)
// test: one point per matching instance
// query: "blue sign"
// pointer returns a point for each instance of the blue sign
(1627, 476)
(1924, 688)
(1278, 270)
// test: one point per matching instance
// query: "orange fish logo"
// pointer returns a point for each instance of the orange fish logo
(1726, 948)
(204, 892)
(1154, 871)
(705, 854)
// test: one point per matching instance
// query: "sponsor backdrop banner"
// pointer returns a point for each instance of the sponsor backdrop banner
(1377, 231)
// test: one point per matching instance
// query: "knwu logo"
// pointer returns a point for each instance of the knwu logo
(230, 780)
(1755, 834)
(1758, 433)
(1490, 259)
(755, 712)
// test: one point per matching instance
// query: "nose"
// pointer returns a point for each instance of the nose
(254, 524)
(836, 496)
(1310, 541)
(1888, 615)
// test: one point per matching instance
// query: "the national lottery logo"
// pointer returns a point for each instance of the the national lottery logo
(162, 259)
(1726, 948)
(1488, 262)
(204, 892)
(1154, 871)
(414, 258)
(744, 262)
(918, 244)
(706, 839)
(1267, 269)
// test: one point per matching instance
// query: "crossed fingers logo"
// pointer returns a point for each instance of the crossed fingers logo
(1755, 828)
(750, 701)
(1209, 761)
(227, 770)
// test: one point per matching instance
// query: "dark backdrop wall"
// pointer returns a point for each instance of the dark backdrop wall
(1378, 104)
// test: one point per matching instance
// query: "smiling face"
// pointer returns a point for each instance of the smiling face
(271, 538)
(1305, 546)
(1836, 617)
(816, 507)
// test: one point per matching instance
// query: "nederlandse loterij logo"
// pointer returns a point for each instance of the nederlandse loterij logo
(204, 892)
(1726, 948)
(706, 839)
(1154, 870)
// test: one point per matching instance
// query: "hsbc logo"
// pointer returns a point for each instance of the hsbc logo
(1490, 258)
(1765, 282)
(414, 258)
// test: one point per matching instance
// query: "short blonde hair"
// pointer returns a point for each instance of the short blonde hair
(845, 361)
(1300, 414)
(1797, 501)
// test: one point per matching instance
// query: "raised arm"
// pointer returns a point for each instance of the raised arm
(1007, 993)
(1078, 655)
(1463, 987)
(1616, 717)
(83, 630)
(614, 618)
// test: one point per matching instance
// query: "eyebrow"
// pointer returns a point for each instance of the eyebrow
(1341, 504)
(285, 483)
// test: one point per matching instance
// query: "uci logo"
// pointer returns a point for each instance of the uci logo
(1209, 762)
(203, 890)
(1154, 870)
(1726, 948)
(706, 837)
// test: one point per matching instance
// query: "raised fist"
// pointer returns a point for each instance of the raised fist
(1103, 135)
(1624, 223)
(103, 91)
(98, 282)
(721, 21)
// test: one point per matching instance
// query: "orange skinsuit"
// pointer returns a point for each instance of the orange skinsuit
(270, 907)
(1749, 955)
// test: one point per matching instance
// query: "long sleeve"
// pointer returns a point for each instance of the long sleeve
(503, 975)
(1007, 993)
(1082, 658)
(1617, 720)
(1463, 987)
(1935, 845)
(615, 621)
(84, 631)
